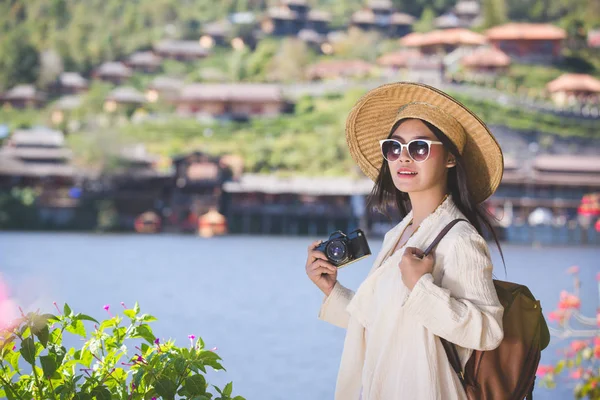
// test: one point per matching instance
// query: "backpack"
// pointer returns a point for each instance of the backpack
(507, 372)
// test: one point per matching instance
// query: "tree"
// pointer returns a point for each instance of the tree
(494, 13)
(19, 59)
(425, 23)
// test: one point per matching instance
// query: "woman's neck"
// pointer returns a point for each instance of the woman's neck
(424, 203)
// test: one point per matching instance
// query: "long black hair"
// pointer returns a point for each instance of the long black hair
(385, 194)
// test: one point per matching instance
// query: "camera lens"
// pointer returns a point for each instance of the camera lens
(336, 250)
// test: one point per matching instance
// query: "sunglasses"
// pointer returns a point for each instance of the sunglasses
(418, 149)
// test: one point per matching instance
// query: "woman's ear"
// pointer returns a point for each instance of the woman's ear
(451, 161)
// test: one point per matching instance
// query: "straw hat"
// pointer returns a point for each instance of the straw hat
(373, 116)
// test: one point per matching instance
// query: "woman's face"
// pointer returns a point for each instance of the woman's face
(421, 176)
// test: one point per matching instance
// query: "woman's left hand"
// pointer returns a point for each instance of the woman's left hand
(413, 267)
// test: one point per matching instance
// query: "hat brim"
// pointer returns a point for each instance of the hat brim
(372, 117)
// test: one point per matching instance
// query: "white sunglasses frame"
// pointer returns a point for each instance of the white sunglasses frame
(402, 146)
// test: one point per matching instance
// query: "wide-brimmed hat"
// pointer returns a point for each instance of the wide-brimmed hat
(373, 116)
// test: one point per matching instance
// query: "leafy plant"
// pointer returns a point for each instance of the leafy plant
(118, 360)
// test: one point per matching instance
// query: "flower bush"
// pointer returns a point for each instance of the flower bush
(581, 359)
(120, 359)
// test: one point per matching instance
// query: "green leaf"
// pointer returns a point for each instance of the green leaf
(145, 332)
(13, 359)
(165, 388)
(228, 389)
(559, 367)
(43, 335)
(82, 396)
(67, 310)
(101, 393)
(76, 327)
(148, 318)
(195, 385)
(48, 365)
(86, 358)
(28, 350)
(84, 317)
(129, 313)
(136, 308)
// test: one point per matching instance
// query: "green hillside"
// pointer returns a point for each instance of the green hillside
(83, 33)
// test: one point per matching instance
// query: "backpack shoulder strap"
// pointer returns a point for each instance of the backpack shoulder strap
(450, 349)
(441, 235)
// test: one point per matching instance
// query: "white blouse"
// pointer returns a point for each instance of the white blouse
(392, 349)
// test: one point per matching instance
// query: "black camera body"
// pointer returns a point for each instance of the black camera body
(342, 249)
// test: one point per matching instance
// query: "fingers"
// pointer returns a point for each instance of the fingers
(314, 244)
(323, 266)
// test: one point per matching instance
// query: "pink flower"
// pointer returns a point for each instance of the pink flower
(106, 307)
(597, 351)
(157, 341)
(140, 359)
(543, 370)
(124, 306)
(568, 301)
(213, 349)
(597, 341)
(598, 276)
(573, 270)
(576, 374)
(578, 345)
(191, 337)
(8, 309)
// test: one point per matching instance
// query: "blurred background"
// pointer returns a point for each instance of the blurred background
(183, 154)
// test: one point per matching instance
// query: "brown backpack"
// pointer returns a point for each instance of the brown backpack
(507, 372)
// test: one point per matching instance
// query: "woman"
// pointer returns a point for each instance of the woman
(435, 161)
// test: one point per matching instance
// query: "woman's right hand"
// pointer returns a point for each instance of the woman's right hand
(320, 270)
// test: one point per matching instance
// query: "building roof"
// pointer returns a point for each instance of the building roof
(23, 92)
(176, 47)
(217, 28)
(446, 21)
(402, 19)
(363, 17)
(309, 35)
(315, 186)
(231, 92)
(568, 163)
(574, 83)
(566, 179)
(319, 15)
(33, 153)
(126, 94)
(525, 31)
(467, 7)
(282, 12)
(14, 167)
(113, 68)
(380, 4)
(339, 67)
(166, 83)
(486, 57)
(399, 58)
(295, 2)
(37, 136)
(144, 58)
(455, 36)
(72, 79)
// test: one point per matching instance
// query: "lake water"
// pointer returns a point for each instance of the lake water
(248, 296)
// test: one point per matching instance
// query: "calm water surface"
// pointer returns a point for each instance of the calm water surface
(248, 296)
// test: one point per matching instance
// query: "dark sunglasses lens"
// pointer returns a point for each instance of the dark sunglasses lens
(391, 150)
(418, 150)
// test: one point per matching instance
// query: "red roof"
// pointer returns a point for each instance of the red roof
(486, 57)
(339, 68)
(574, 83)
(455, 36)
(525, 31)
(398, 58)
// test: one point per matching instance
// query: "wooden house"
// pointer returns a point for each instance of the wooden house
(144, 61)
(569, 88)
(526, 42)
(114, 72)
(181, 50)
(23, 96)
(234, 100)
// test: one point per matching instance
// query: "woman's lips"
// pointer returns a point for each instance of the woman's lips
(406, 174)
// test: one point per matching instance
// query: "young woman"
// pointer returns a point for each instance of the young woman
(435, 161)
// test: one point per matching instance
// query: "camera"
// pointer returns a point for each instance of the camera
(342, 249)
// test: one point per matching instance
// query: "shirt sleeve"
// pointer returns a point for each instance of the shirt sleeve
(333, 309)
(466, 310)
